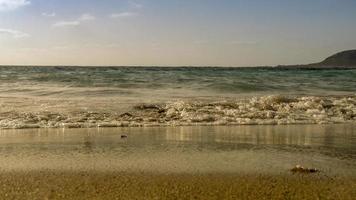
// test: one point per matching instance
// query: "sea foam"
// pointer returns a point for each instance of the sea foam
(271, 110)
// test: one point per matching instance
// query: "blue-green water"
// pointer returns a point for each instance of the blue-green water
(32, 97)
(173, 82)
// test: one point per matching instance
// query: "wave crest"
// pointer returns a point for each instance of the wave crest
(258, 110)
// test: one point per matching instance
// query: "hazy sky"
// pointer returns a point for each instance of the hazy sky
(174, 32)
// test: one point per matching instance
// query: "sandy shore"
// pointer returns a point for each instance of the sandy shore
(119, 185)
(178, 163)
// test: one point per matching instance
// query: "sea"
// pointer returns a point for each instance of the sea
(87, 97)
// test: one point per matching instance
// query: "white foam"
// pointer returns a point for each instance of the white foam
(253, 111)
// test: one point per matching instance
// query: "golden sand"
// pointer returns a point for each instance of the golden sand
(119, 185)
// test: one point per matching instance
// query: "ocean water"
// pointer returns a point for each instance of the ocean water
(32, 97)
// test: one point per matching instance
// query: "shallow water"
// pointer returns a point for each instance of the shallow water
(208, 149)
(84, 97)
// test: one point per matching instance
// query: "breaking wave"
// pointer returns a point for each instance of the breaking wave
(36, 97)
(271, 110)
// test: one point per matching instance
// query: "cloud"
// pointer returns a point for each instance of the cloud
(13, 33)
(66, 23)
(53, 14)
(133, 11)
(123, 15)
(13, 4)
(86, 17)
(77, 22)
(135, 4)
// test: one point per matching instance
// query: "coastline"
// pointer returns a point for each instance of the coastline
(217, 162)
(267, 149)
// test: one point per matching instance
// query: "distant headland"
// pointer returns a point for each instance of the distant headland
(344, 59)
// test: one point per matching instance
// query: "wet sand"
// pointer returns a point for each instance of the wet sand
(119, 185)
(241, 162)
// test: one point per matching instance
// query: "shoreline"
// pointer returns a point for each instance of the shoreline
(265, 110)
(109, 126)
(57, 184)
(247, 162)
(266, 149)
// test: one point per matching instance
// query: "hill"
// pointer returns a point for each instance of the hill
(344, 59)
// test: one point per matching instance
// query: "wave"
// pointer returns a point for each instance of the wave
(198, 81)
(265, 110)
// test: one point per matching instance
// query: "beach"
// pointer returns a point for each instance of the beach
(119, 185)
(139, 99)
(176, 133)
(205, 162)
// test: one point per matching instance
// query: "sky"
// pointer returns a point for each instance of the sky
(174, 32)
